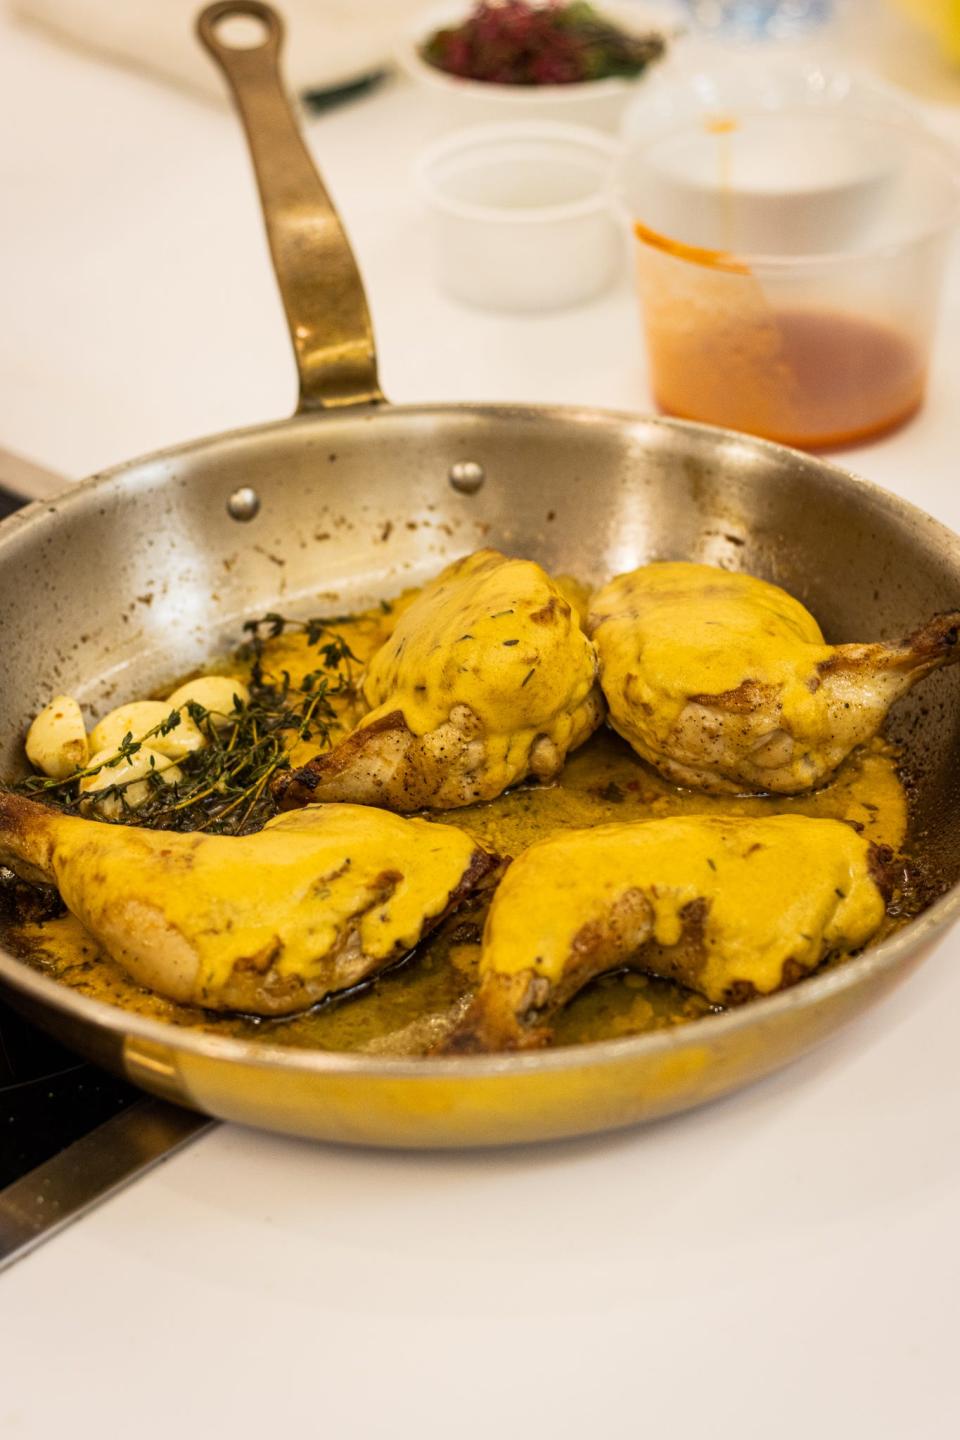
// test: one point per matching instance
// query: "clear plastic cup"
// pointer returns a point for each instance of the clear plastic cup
(790, 246)
(522, 215)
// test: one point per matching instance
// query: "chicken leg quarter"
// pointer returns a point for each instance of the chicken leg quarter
(486, 679)
(267, 923)
(725, 683)
(730, 908)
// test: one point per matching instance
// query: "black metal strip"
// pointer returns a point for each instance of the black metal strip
(10, 501)
(64, 1188)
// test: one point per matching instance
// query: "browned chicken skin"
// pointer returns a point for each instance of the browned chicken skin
(486, 679)
(725, 683)
(268, 923)
(728, 907)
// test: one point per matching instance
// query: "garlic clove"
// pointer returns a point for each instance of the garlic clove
(131, 773)
(57, 740)
(138, 718)
(216, 693)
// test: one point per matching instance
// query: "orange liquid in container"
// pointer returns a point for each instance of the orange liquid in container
(822, 379)
(722, 353)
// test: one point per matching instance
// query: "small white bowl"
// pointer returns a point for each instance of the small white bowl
(522, 215)
(458, 102)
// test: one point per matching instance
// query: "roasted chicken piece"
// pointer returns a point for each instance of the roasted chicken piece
(730, 908)
(724, 682)
(267, 923)
(487, 678)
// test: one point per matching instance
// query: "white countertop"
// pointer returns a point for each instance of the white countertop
(783, 1263)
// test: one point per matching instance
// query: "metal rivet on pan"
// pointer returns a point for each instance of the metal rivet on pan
(466, 476)
(243, 504)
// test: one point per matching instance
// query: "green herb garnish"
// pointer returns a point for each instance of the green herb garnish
(225, 786)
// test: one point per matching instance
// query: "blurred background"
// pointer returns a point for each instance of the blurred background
(915, 41)
(139, 307)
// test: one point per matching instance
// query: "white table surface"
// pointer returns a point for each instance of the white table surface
(784, 1263)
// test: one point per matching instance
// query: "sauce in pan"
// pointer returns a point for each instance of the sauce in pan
(408, 1008)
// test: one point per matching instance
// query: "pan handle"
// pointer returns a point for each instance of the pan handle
(318, 277)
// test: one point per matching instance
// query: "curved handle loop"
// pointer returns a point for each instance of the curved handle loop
(316, 271)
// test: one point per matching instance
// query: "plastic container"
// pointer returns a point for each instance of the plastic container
(522, 216)
(791, 233)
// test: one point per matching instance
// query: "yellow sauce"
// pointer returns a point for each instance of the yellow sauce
(724, 681)
(672, 630)
(781, 889)
(411, 1006)
(605, 781)
(219, 920)
(500, 636)
(291, 654)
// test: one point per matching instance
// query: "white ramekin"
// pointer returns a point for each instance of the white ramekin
(522, 215)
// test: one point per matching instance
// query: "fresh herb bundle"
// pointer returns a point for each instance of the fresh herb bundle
(224, 788)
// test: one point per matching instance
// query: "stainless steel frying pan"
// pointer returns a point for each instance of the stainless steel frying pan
(136, 575)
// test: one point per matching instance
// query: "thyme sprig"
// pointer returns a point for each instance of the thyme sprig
(224, 787)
